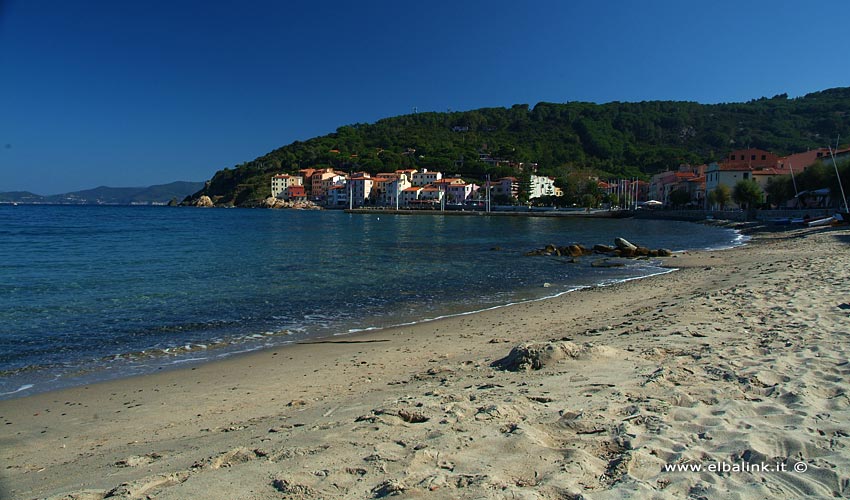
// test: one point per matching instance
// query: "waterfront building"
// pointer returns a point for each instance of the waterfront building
(506, 186)
(337, 196)
(425, 178)
(361, 188)
(317, 182)
(282, 181)
(295, 193)
(540, 186)
(387, 189)
(410, 196)
(459, 193)
(329, 181)
(432, 194)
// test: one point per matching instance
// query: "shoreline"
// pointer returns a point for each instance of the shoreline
(147, 362)
(140, 363)
(655, 363)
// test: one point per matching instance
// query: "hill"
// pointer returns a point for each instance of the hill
(615, 139)
(105, 195)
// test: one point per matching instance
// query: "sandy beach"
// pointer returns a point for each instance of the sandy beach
(737, 361)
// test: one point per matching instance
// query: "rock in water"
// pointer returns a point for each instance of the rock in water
(606, 263)
(575, 251)
(624, 244)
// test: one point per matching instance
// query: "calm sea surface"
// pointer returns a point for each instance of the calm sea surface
(89, 293)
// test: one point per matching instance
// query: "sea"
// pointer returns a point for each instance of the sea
(90, 293)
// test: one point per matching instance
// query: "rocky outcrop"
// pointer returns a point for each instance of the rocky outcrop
(564, 251)
(272, 202)
(624, 244)
(204, 202)
(622, 248)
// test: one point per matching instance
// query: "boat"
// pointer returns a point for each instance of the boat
(822, 222)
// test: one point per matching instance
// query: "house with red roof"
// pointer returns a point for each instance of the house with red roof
(755, 159)
(431, 194)
(318, 184)
(410, 196)
(295, 193)
(801, 161)
(687, 178)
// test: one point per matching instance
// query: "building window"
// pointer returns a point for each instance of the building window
(763, 157)
(752, 157)
(746, 175)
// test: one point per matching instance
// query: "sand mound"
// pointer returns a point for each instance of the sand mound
(535, 356)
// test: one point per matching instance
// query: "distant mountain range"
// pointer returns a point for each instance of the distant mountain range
(152, 195)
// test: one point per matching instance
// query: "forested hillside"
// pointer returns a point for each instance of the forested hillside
(615, 139)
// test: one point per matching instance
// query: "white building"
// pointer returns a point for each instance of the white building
(331, 181)
(461, 193)
(425, 177)
(387, 190)
(282, 181)
(727, 175)
(361, 188)
(541, 186)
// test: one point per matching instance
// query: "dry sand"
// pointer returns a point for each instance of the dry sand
(739, 358)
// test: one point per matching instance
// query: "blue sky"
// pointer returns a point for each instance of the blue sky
(138, 93)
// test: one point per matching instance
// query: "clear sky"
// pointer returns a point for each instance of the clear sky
(124, 93)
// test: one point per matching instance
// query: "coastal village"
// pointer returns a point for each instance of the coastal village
(403, 188)
(427, 189)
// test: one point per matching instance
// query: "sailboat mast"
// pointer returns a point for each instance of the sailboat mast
(840, 185)
(793, 181)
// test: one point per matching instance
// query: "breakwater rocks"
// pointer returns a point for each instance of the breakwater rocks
(272, 202)
(621, 248)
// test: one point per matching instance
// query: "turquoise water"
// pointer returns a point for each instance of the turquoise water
(90, 292)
